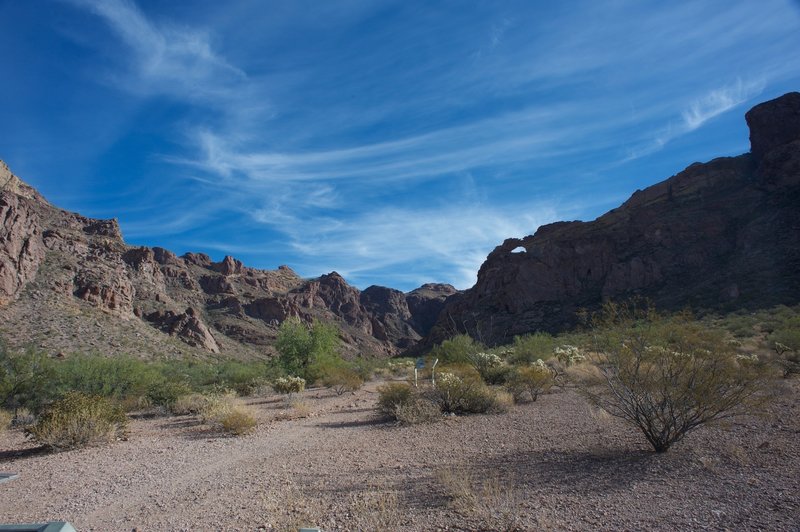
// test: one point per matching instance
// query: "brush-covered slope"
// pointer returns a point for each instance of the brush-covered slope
(719, 235)
(70, 283)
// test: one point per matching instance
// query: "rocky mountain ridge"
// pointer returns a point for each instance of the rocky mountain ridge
(70, 283)
(718, 235)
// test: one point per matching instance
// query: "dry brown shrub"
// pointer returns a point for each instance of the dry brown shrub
(295, 409)
(417, 410)
(5, 420)
(238, 422)
(227, 413)
(79, 420)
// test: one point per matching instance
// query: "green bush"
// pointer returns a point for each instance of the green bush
(299, 346)
(668, 375)
(532, 347)
(528, 382)
(392, 395)
(165, 393)
(77, 420)
(343, 379)
(119, 377)
(456, 350)
(26, 379)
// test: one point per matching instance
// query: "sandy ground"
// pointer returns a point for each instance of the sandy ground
(551, 465)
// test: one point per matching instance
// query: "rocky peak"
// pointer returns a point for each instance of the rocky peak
(228, 266)
(774, 123)
(11, 183)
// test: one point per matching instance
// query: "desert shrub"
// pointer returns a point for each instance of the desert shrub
(668, 376)
(416, 410)
(295, 409)
(461, 394)
(77, 420)
(289, 385)
(189, 404)
(5, 420)
(343, 379)
(238, 421)
(785, 341)
(392, 395)
(300, 346)
(244, 378)
(119, 377)
(164, 393)
(26, 379)
(527, 382)
(532, 347)
(227, 413)
(456, 350)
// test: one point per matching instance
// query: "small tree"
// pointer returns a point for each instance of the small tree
(456, 350)
(26, 379)
(668, 376)
(300, 346)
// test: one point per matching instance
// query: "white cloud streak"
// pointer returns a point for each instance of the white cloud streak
(170, 60)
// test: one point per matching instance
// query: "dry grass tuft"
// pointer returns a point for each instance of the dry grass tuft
(295, 409)
(492, 501)
(376, 510)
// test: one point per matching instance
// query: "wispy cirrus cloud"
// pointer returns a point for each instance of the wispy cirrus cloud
(168, 59)
(720, 100)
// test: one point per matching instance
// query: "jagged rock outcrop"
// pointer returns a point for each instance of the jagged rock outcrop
(70, 282)
(723, 234)
(186, 326)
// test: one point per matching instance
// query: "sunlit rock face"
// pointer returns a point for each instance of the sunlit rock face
(73, 284)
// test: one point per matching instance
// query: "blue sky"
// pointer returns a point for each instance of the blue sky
(394, 142)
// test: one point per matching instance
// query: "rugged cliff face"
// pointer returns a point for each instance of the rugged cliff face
(70, 283)
(724, 234)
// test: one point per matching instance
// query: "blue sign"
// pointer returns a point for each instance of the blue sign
(420, 363)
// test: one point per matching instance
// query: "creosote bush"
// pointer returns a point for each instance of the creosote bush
(528, 382)
(392, 395)
(78, 420)
(342, 379)
(668, 375)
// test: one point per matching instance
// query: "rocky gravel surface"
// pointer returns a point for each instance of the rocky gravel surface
(552, 465)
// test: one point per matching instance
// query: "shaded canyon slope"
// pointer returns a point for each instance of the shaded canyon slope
(70, 283)
(719, 235)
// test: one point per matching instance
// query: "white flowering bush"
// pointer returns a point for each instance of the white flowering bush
(569, 354)
(289, 385)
